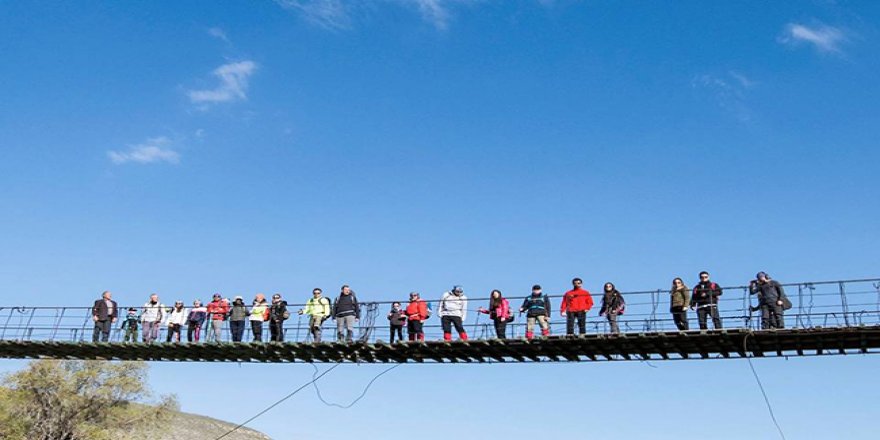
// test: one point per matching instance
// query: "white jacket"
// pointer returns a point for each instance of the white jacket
(178, 317)
(453, 305)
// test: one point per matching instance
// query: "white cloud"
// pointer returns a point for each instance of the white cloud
(823, 37)
(727, 94)
(233, 84)
(329, 14)
(152, 150)
(218, 33)
(434, 12)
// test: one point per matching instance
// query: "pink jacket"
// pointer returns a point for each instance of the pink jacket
(502, 311)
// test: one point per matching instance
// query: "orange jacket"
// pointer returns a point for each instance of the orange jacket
(417, 310)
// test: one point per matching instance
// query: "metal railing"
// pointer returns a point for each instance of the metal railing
(842, 303)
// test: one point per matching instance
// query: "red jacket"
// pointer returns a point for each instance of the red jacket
(218, 310)
(501, 311)
(417, 310)
(577, 300)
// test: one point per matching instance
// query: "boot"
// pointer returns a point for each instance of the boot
(530, 335)
(447, 336)
(462, 336)
(545, 332)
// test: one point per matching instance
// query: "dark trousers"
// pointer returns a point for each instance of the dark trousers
(500, 328)
(771, 316)
(237, 329)
(612, 322)
(680, 317)
(173, 333)
(581, 321)
(276, 330)
(257, 330)
(193, 329)
(102, 331)
(414, 330)
(398, 329)
(704, 312)
(448, 321)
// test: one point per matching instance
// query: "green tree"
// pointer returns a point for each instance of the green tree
(81, 400)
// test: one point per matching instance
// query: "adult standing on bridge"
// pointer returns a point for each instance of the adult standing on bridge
(277, 315)
(151, 317)
(537, 308)
(346, 312)
(318, 309)
(705, 300)
(196, 319)
(679, 298)
(259, 313)
(237, 315)
(217, 310)
(416, 314)
(104, 314)
(499, 312)
(575, 305)
(771, 300)
(176, 321)
(612, 306)
(453, 312)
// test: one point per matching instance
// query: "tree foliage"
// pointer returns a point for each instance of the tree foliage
(80, 400)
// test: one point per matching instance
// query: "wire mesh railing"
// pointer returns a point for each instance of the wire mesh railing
(814, 304)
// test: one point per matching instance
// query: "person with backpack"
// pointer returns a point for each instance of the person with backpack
(346, 312)
(277, 315)
(537, 308)
(237, 314)
(195, 320)
(416, 314)
(575, 305)
(259, 313)
(499, 312)
(176, 321)
(218, 309)
(612, 306)
(771, 300)
(453, 312)
(396, 320)
(130, 326)
(151, 316)
(705, 300)
(679, 296)
(318, 309)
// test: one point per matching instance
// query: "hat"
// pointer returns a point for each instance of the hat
(536, 287)
(238, 297)
(411, 294)
(457, 289)
(762, 273)
(132, 309)
(217, 295)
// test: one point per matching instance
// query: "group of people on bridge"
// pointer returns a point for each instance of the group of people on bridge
(452, 309)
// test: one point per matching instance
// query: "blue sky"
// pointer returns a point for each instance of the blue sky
(394, 145)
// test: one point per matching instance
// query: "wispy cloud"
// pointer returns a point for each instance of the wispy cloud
(233, 84)
(153, 150)
(218, 33)
(433, 11)
(728, 92)
(824, 38)
(329, 14)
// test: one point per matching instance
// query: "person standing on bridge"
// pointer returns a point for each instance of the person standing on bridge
(537, 308)
(453, 312)
(176, 321)
(104, 314)
(679, 298)
(277, 315)
(396, 320)
(318, 309)
(259, 313)
(237, 314)
(346, 312)
(416, 314)
(575, 305)
(130, 326)
(612, 306)
(151, 317)
(194, 322)
(705, 300)
(217, 311)
(499, 312)
(771, 300)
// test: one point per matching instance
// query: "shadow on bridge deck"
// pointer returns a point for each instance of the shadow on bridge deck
(709, 344)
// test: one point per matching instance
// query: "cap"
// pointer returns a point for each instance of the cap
(238, 297)
(457, 289)
(132, 309)
(762, 274)
(536, 287)
(411, 294)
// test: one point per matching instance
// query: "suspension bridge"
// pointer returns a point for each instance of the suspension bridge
(827, 318)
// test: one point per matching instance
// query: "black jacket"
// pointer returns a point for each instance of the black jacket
(769, 292)
(100, 310)
(346, 305)
(705, 293)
